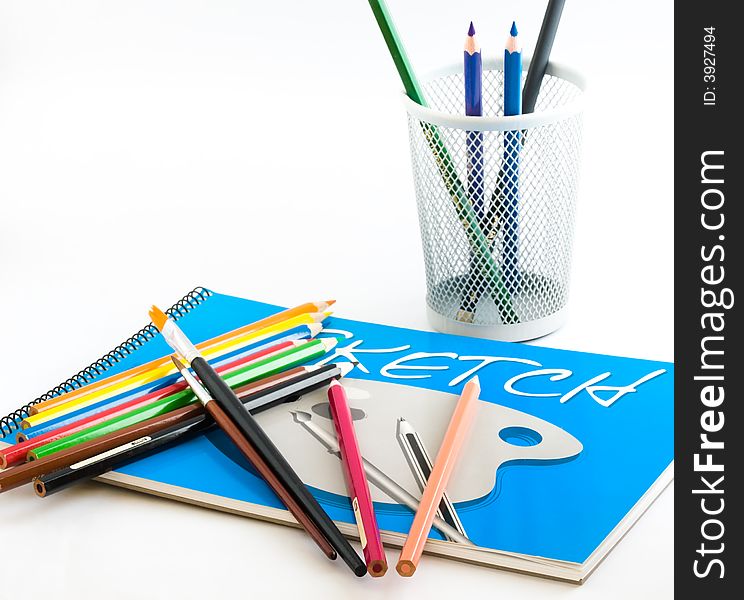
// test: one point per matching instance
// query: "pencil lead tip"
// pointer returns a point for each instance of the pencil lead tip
(329, 343)
(158, 317)
(334, 383)
(471, 30)
(475, 381)
(513, 32)
(329, 303)
(346, 368)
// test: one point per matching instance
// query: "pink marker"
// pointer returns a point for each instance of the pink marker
(356, 481)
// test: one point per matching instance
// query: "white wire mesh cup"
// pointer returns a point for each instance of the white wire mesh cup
(496, 200)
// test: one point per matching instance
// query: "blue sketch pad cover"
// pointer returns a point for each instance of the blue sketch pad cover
(617, 412)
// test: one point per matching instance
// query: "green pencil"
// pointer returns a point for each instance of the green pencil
(252, 372)
(465, 213)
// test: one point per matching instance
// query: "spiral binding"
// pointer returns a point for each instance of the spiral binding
(194, 298)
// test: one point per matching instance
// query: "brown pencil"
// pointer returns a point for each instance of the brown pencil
(254, 386)
(287, 391)
(22, 474)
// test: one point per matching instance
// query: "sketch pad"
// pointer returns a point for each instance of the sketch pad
(567, 451)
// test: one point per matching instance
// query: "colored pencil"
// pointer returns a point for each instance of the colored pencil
(128, 400)
(283, 391)
(24, 473)
(252, 372)
(541, 56)
(16, 454)
(478, 241)
(444, 465)
(45, 434)
(356, 481)
(530, 93)
(28, 471)
(420, 464)
(376, 477)
(225, 397)
(88, 394)
(241, 441)
(89, 468)
(280, 317)
(512, 149)
(79, 425)
(473, 78)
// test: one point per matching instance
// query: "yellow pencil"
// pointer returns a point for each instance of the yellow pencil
(157, 372)
(308, 307)
(444, 466)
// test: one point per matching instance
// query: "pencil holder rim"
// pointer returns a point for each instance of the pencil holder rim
(535, 119)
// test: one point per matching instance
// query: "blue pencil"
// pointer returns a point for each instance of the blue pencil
(473, 73)
(301, 332)
(512, 147)
(473, 76)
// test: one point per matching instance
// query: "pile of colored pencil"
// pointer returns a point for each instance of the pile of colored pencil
(84, 433)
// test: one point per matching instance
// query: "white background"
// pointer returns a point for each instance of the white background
(260, 149)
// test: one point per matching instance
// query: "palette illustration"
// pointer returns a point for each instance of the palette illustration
(500, 435)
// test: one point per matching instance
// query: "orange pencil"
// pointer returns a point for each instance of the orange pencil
(444, 465)
(308, 307)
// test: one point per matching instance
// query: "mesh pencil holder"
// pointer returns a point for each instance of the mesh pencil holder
(496, 202)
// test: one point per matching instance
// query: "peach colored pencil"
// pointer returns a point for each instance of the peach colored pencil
(444, 465)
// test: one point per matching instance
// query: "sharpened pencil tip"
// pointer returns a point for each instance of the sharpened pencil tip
(513, 30)
(471, 31)
(158, 317)
(334, 383)
(346, 368)
(329, 343)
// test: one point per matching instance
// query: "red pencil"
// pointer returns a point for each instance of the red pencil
(356, 481)
(17, 454)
